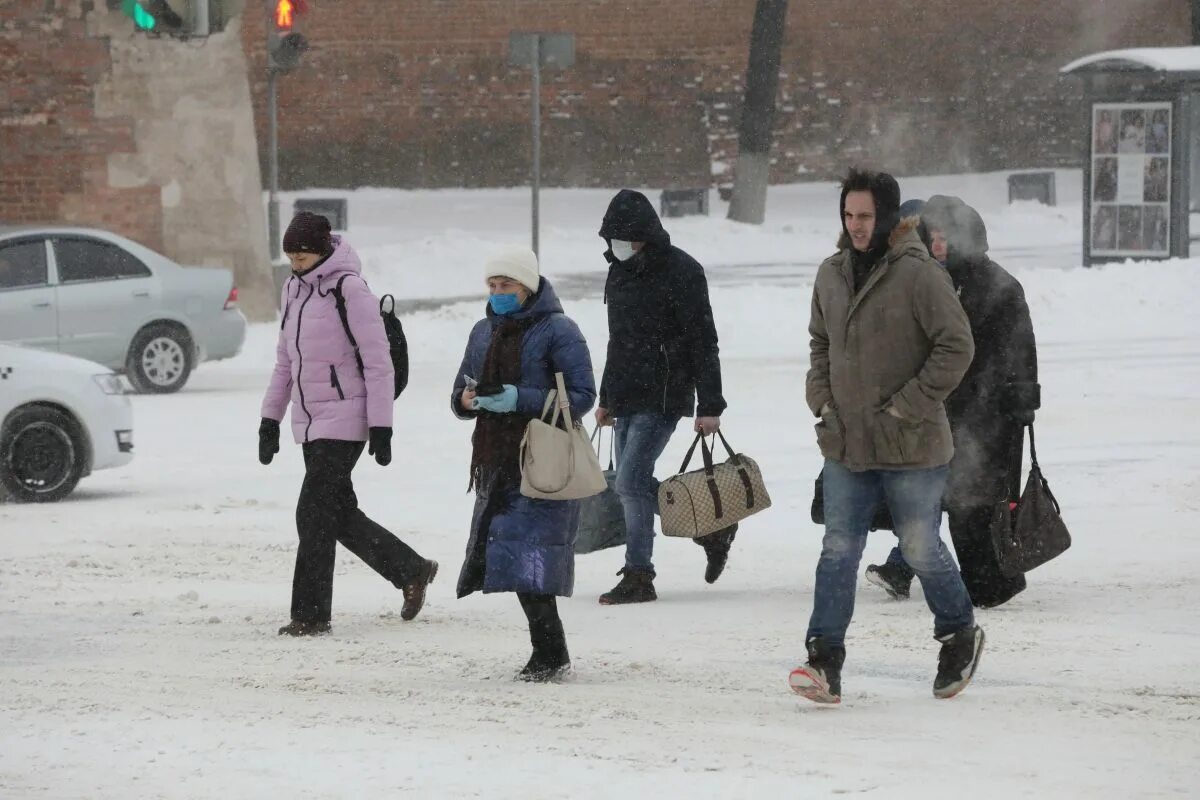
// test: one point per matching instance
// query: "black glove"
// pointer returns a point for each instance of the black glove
(380, 445)
(1018, 400)
(268, 440)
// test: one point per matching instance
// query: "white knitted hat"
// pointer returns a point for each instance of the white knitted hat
(518, 263)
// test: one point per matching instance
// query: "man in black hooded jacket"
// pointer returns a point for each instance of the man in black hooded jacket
(990, 409)
(662, 359)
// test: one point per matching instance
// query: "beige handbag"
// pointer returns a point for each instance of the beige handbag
(707, 500)
(557, 459)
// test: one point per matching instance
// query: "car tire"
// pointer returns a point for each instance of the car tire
(160, 360)
(42, 455)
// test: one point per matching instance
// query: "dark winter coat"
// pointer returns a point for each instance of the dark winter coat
(518, 544)
(662, 341)
(1000, 390)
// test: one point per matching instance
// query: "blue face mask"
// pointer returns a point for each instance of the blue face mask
(505, 304)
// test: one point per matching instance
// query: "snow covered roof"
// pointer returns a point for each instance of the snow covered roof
(1152, 59)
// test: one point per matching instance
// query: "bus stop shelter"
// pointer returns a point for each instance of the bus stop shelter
(1142, 173)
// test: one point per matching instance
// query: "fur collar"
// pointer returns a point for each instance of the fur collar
(906, 226)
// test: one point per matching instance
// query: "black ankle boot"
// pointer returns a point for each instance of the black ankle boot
(298, 628)
(636, 586)
(716, 547)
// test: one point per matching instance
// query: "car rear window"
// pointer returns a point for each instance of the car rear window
(90, 260)
(22, 264)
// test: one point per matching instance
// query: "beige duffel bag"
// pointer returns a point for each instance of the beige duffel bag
(557, 459)
(712, 498)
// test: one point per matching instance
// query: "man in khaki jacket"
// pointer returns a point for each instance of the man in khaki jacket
(889, 343)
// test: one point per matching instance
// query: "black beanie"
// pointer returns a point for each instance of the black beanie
(308, 233)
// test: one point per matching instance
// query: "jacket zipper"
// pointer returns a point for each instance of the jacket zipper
(662, 348)
(300, 363)
(333, 381)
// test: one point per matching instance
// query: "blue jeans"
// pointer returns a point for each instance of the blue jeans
(640, 439)
(915, 499)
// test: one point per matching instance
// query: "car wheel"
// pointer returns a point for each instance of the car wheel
(41, 455)
(160, 360)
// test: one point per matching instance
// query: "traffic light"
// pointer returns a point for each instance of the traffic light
(180, 19)
(152, 15)
(285, 13)
(285, 46)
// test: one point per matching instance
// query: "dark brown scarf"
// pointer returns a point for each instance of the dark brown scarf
(496, 443)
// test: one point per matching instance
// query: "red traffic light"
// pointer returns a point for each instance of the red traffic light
(285, 12)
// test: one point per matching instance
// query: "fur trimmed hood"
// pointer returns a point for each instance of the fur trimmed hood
(906, 226)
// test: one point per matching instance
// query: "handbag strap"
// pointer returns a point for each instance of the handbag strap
(1035, 467)
(557, 401)
(1032, 449)
(562, 409)
(1012, 483)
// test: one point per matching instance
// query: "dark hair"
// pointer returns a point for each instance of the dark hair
(858, 180)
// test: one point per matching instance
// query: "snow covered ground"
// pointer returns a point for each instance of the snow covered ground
(138, 655)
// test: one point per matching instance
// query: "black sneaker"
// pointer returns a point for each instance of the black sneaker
(820, 680)
(298, 628)
(414, 593)
(892, 579)
(716, 547)
(636, 586)
(957, 661)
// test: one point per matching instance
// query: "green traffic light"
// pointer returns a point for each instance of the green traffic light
(141, 17)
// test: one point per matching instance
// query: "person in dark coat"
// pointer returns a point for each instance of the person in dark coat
(520, 544)
(988, 412)
(663, 364)
(341, 398)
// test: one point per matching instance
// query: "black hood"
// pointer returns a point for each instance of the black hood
(886, 192)
(631, 218)
(966, 235)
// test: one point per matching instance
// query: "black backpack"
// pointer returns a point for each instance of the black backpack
(397, 343)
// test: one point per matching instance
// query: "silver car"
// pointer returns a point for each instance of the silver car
(95, 295)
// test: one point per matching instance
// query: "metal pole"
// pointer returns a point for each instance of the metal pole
(200, 23)
(272, 144)
(537, 133)
(273, 169)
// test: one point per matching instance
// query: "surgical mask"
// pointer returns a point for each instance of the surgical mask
(505, 304)
(623, 251)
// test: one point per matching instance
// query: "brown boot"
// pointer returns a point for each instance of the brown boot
(414, 593)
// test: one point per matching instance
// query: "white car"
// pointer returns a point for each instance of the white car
(60, 419)
(102, 297)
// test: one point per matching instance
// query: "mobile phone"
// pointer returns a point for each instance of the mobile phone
(471, 382)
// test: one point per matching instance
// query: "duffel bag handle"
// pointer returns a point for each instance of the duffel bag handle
(706, 454)
(736, 460)
(598, 444)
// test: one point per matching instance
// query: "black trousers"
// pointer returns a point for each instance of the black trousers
(545, 627)
(327, 513)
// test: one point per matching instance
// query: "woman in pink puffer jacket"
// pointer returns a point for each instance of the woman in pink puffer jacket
(336, 408)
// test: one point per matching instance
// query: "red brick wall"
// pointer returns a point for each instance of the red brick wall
(418, 92)
(53, 148)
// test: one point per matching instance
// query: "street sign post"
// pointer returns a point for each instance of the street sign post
(539, 51)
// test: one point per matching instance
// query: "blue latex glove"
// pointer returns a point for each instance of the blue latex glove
(503, 403)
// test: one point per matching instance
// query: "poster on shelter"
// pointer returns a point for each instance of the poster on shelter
(1131, 179)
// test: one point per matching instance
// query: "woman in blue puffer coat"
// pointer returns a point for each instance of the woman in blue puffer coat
(518, 544)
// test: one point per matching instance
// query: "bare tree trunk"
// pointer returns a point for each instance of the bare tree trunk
(753, 169)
